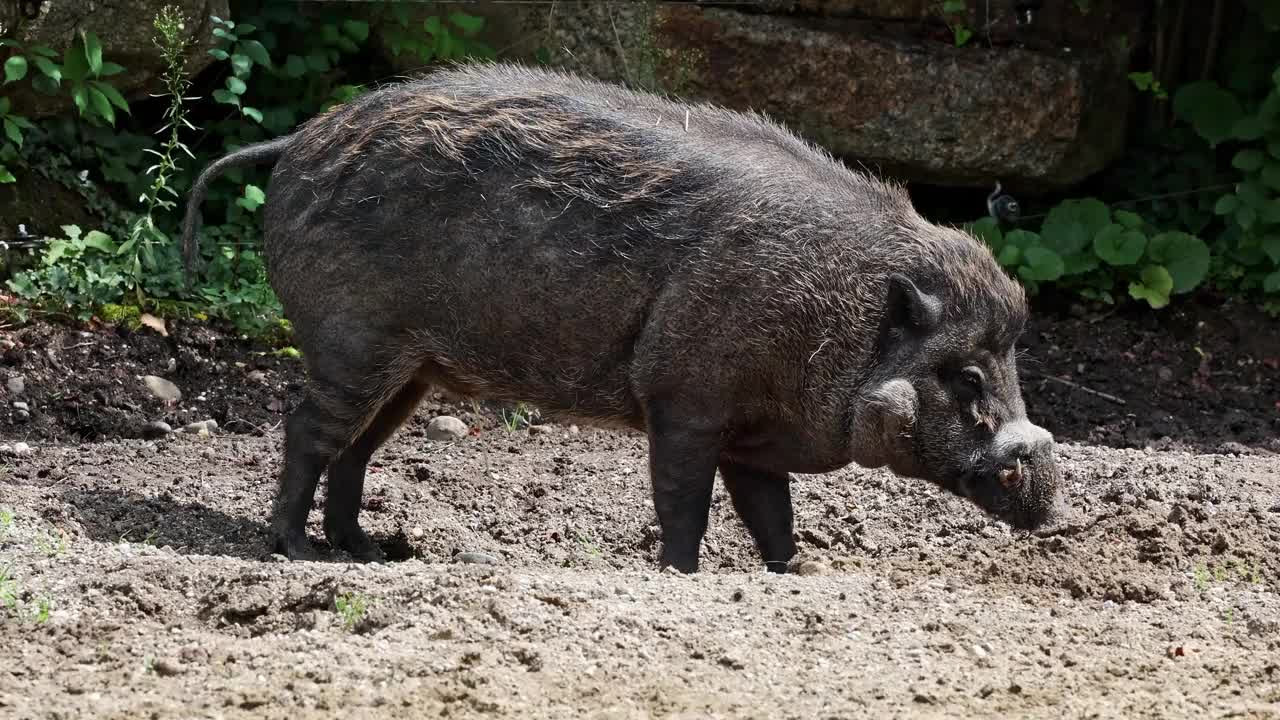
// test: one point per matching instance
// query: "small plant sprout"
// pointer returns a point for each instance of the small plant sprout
(40, 614)
(6, 522)
(351, 608)
(8, 589)
(52, 544)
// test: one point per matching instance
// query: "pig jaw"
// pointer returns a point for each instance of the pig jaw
(1015, 478)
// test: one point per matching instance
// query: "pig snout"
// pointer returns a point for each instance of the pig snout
(1018, 480)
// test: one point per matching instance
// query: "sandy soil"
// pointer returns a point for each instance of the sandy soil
(137, 587)
(133, 580)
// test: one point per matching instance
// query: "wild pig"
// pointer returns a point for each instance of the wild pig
(616, 258)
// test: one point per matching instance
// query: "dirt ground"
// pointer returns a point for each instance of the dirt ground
(133, 579)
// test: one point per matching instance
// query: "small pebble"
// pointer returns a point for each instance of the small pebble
(202, 427)
(416, 533)
(20, 449)
(21, 406)
(475, 558)
(979, 651)
(446, 427)
(162, 388)
(17, 384)
(155, 429)
(539, 429)
(257, 376)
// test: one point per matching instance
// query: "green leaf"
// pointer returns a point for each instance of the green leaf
(256, 52)
(1271, 214)
(1117, 246)
(4, 105)
(236, 85)
(1010, 256)
(1154, 286)
(1246, 217)
(1021, 239)
(6, 176)
(1072, 224)
(1185, 258)
(93, 52)
(295, 67)
(470, 24)
(75, 67)
(962, 35)
(1271, 283)
(356, 30)
(1248, 160)
(1274, 149)
(102, 105)
(226, 98)
(43, 50)
(241, 64)
(219, 54)
(1130, 220)
(1271, 246)
(432, 25)
(1250, 127)
(252, 113)
(1271, 174)
(1080, 264)
(100, 241)
(1226, 205)
(252, 199)
(48, 68)
(1252, 193)
(109, 69)
(14, 132)
(1211, 110)
(15, 68)
(1044, 264)
(245, 29)
(112, 94)
(987, 230)
(954, 6)
(80, 94)
(1065, 238)
(317, 62)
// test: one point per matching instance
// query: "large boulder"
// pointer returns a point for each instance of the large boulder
(125, 30)
(917, 108)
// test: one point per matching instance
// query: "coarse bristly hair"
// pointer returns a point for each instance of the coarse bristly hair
(579, 139)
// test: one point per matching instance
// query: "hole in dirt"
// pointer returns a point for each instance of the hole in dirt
(397, 547)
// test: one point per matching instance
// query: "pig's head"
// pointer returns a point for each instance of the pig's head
(942, 400)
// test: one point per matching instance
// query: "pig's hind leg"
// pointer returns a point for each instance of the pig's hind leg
(345, 478)
(353, 378)
(763, 501)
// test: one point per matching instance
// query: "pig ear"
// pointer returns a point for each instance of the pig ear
(909, 307)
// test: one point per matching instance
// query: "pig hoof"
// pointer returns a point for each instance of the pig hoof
(297, 547)
(358, 545)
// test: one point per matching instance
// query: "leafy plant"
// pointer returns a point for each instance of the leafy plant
(1085, 245)
(242, 52)
(1146, 81)
(956, 12)
(351, 607)
(453, 38)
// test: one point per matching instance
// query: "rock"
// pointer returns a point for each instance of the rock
(204, 426)
(979, 651)
(475, 558)
(20, 449)
(1041, 110)
(125, 30)
(417, 533)
(817, 538)
(540, 429)
(446, 427)
(812, 567)
(21, 406)
(17, 384)
(162, 388)
(943, 115)
(156, 429)
(257, 376)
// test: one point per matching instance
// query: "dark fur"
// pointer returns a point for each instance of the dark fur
(519, 234)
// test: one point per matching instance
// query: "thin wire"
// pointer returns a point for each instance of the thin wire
(1149, 198)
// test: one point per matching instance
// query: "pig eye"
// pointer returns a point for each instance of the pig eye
(972, 378)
